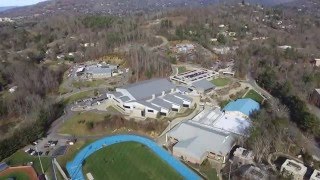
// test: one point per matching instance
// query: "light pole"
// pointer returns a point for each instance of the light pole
(39, 160)
(230, 168)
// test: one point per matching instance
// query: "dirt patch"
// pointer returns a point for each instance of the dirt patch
(28, 170)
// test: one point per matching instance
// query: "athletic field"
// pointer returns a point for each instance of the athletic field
(128, 160)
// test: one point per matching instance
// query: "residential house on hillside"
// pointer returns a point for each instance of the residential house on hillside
(315, 97)
(294, 169)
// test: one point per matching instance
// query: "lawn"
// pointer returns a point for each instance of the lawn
(182, 69)
(93, 83)
(22, 158)
(221, 81)
(208, 170)
(16, 176)
(79, 124)
(254, 95)
(129, 159)
(78, 96)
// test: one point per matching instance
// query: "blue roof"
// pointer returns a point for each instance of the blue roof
(246, 106)
(3, 166)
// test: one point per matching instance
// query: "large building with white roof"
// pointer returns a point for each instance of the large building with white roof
(97, 71)
(150, 98)
(194, 143)
(212, 132)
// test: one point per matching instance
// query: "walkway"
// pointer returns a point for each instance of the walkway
(74, 167)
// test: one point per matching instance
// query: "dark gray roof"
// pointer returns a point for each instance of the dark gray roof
(124, 98)
(203, 85)
(181, 96)
(117, 94)
(147, 104)
(145, 89)
(173, 99)
(3, 166)
(161, 103)
(183, 89)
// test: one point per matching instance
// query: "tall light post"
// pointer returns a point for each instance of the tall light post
(39, 160)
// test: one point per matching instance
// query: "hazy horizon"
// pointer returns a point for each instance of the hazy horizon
(8, 3)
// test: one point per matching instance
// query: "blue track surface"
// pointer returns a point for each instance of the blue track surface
(74, 167)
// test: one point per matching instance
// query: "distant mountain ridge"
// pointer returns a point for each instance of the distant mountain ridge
(116, 7)
(6, 8)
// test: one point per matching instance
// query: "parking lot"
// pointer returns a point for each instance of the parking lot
(48, 147)
(194, 75)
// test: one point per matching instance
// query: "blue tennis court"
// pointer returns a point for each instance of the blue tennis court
(74, 167)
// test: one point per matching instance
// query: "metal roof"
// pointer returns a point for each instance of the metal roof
(161, 103)
(117, 94)
(198, 140)
(203, 85)
(3, 166)
(124, 98)
(173, 99)
(183, 97)
(246, 106)
(149, 105)
(98, 69)
(145, 89)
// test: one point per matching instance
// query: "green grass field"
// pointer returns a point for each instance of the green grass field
(128, 160)
(221, 81)
(93, 83)
(78, 96)
(77, 125)
(22, 158)
(254, 95)
(182, 69)
(16, 176)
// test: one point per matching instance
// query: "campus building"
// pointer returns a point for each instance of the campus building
(194, 143)
(212, 132)
(97, 71)
(150, 98)
(293, 169)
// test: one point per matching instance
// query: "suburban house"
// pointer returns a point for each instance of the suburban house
(255, 173)
(315, 97)
(294, 169)
(315, 175)
(194, 143)
(243, 156)
(150, 98)
(316, 62)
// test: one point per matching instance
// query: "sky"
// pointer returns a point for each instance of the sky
(4, 3)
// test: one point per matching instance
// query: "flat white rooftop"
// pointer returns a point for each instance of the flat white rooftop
(233, 122)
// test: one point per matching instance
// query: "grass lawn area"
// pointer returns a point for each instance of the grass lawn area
(208, 170)
(72, 151)
(16, 176)
(21, 158)
(129, 159)
(78, 96)
(93, 83)
(254, 95)
(78, 124)
(221, 81)
(182, 69)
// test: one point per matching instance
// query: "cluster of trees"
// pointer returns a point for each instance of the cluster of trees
(146, 64)
(30, 131)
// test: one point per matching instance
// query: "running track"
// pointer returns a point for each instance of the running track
(74, 167)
